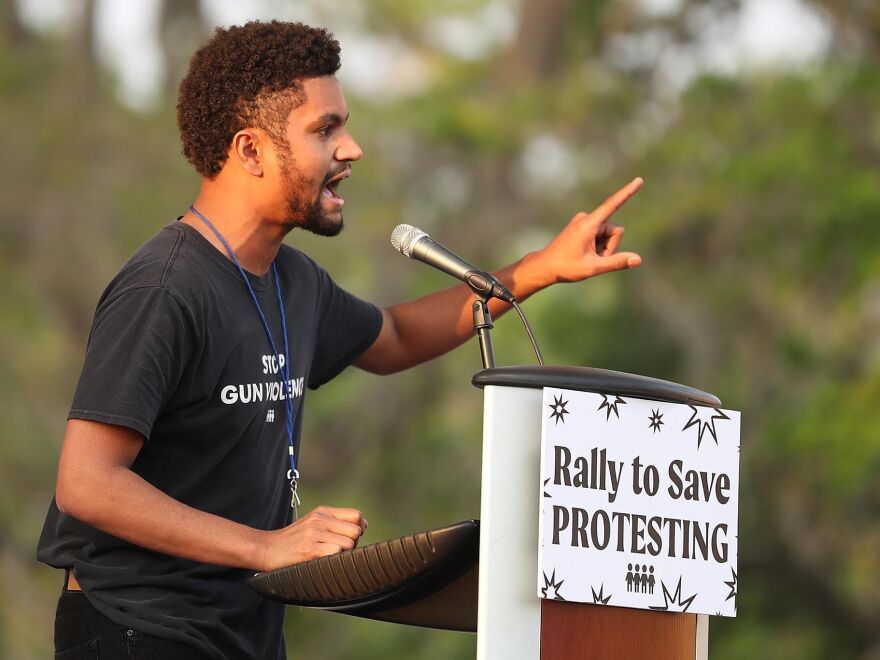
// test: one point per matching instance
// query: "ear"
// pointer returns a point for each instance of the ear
(248, 148)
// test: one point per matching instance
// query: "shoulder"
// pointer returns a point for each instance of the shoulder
(168, 263)
(177, 257)
(152, 263)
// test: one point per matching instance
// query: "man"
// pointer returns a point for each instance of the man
(179, 460)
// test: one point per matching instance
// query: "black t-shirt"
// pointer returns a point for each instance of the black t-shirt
(178, 353)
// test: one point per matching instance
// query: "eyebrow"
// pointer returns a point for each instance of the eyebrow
(330, 118)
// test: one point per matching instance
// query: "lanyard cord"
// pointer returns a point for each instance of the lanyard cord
(283, 369)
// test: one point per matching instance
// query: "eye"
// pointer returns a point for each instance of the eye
(325, 131)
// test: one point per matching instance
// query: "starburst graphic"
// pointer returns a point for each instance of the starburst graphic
(558, 408)
(656, 420)
(610, 406)
(546, 481)
(673, 600)
(732, 586)
(551, 584)
(600, 598)
(704, 418)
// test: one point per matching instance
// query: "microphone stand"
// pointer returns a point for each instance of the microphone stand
(482, 325)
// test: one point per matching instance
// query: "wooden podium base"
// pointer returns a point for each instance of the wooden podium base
(572, 631)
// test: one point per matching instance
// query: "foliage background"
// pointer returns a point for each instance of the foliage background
(758, 225)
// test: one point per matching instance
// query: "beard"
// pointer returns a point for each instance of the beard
(304, 211)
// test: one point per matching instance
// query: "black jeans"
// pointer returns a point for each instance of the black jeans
(83, 633)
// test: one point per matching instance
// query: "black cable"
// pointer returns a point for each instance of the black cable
(532, 339)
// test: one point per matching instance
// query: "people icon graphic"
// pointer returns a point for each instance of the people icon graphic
(641, 579)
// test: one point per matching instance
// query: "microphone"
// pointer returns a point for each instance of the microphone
(416, 244)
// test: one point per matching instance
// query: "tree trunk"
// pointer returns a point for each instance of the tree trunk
(85, 69)
(14, 32)
(535, 52)
(182, 30)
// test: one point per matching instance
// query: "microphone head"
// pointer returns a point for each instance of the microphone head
(404, 237)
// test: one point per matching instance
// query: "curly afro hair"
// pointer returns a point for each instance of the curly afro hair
(248, 76)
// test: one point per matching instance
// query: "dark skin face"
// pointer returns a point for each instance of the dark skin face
(316, 158)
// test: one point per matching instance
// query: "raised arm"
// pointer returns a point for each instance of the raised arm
(419, 330)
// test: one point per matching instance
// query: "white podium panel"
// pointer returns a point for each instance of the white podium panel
(509, 612)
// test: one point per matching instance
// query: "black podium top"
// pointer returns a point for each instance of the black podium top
(427, 579)
(588, 379)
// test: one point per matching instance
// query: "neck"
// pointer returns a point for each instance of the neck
(254, 239)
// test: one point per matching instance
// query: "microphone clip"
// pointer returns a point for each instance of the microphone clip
(486, 286)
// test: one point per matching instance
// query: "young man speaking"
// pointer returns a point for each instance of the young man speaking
(178, 466)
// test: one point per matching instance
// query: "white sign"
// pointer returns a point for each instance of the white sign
(639, 503)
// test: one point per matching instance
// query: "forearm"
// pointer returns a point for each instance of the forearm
(119, 502)
(439, 322)
(97, 486)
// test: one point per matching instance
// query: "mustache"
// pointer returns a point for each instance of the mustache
(345, 169)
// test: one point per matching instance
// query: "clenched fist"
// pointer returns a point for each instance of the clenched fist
(325, 531)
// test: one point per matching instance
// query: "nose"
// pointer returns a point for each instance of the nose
(348, 149)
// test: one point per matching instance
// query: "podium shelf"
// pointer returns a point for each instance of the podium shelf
(426, 579)
(589, 379)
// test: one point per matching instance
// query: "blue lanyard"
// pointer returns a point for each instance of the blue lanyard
(284, 370)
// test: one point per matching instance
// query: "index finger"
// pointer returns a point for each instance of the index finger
(345, 528)
(610, 205)
(344, 513)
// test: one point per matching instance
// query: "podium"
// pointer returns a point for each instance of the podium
(512, 621)
(481, 576)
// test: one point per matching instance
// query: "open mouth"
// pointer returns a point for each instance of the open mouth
(330, 188)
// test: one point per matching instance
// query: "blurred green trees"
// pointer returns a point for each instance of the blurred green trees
(758, 224)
